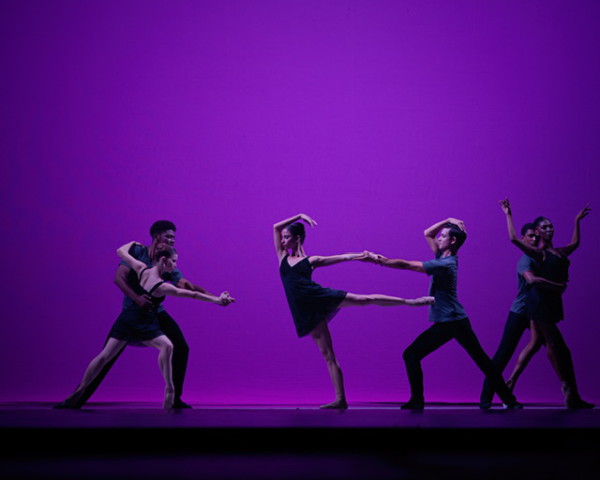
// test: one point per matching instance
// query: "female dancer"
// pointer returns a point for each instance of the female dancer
(544, 301)
(145, 329)
(313, 306)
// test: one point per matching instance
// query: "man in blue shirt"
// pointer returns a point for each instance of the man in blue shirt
(136, 300)
(447, 314)
(517, 321)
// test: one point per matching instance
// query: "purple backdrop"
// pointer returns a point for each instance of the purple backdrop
(377, 118)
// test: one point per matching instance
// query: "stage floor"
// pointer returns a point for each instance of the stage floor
(370, 441)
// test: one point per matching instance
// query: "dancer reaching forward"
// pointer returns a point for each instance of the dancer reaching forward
(447, 314)
(145, 328)
(313, 306)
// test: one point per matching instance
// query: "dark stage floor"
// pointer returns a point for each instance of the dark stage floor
(370, 441)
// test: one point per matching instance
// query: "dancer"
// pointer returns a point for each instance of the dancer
(145, 328)
(544, 301)
(135, 301)
(448, 316)
(313, 306)
(517, 321)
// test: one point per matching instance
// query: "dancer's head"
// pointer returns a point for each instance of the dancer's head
(163, 231)
(451, 237)
(293, 235)
(529, 234)
(544, 228)
(166, 257)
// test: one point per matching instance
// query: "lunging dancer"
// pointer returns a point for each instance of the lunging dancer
(145, 328)
(313, 306)
(448, 316)
(544, 301)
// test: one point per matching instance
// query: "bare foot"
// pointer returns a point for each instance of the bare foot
(420, 302)
(169, 399)
(336, 405)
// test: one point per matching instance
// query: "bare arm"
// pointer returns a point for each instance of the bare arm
(544, 283)
(572, 246)
(512, 234)
(134, 263)
(431, 232)
(413, 265)
(185, 284)
(317, 261)
(171, 290)
(279, 226)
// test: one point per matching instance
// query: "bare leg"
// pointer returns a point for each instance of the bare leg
(535, 343)
(165, 357)
(560, 358)
(111, 348)
(322, 338)
(354, 300)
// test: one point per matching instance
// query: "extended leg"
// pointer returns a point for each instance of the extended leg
(532, 347)
(355, 300)
(181, 352)
(165, 358)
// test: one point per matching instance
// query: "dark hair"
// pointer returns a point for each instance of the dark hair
(161, 226)
(297, 229)
(528, 226)
(164, 250)
(457, 233)
(539, 220)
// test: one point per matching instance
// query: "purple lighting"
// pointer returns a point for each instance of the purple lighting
(377, 118)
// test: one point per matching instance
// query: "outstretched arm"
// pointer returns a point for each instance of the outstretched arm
(432, 232)
(413, 265)
(572, 246)
(168, 289)
(512, 234)
(134, 263)
(317, 261)
(279, 226)
(185, 284)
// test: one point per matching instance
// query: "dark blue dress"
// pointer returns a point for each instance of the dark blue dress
(543, 304)
(137, 326)
(310, 303)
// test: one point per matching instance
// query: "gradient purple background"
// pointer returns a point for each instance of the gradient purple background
(377, 118)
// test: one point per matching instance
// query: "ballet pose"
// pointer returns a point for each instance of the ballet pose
(145, 328)
(447, 314)
(544, 301)
(313, 306)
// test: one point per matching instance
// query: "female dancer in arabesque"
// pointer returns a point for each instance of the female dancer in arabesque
(313, 306)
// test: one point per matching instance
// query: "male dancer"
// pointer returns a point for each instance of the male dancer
(448, 316)
(518, 320)
(161, 231)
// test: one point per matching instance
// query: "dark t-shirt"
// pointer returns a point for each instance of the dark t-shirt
(519, 304)
(443, 272)
(140, 252)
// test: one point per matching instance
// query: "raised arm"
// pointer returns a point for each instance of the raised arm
(134, 263)
(168, 289)
(572, 246)
(279, 226)
(512, 234)
(431, 232)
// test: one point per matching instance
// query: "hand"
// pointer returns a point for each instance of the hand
(583, 213)
(308, 220)
(505, 205)
(459, 223)
(225, 299)
(370, 257)
(144, 302)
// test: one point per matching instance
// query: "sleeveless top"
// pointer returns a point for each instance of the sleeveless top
(544, 304)
(309, 302)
